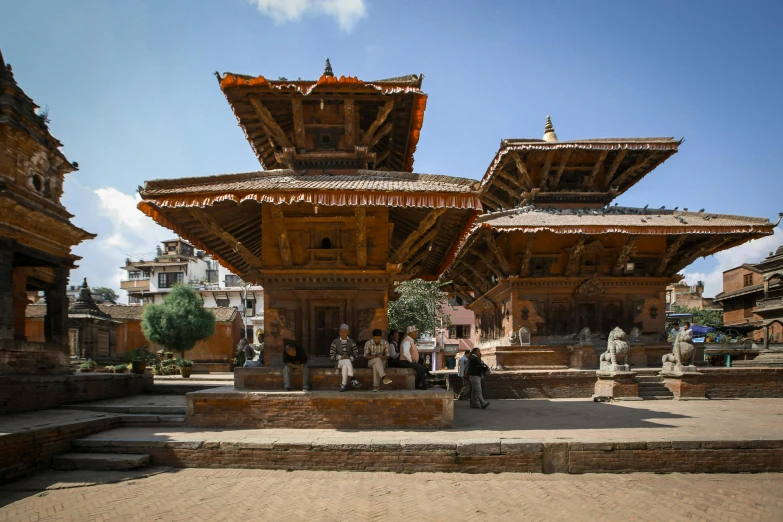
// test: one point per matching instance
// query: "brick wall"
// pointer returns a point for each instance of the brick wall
(271, 378)
(734, 279)
(535, 385)
(24, 453)
(745, 382)
(39, 392)
(432, 409)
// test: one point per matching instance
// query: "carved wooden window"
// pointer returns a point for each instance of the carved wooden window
(459, 331)
(748, 280)
(222, 303)
(73, 340)
(103, 342)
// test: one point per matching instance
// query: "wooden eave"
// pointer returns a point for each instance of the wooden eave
(585, 171)
(393, 150)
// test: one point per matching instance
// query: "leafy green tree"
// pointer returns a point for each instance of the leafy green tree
(706, 317)
(105, 294)
(421, 303)
(179, 322)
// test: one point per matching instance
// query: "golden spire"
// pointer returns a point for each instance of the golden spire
(549, 130)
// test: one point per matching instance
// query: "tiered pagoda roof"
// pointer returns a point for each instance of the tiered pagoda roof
(331, 122)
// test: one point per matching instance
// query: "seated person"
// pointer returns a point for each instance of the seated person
(394, 352)
(247, 348)
(295, 359)
(344, 351)
(376, 351)
(409, 352)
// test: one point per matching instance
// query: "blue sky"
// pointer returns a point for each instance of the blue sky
(132, 96)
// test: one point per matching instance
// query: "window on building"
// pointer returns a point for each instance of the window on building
(232, 280)
(250, 308)
(212, 276)
(459, 331)
(134, 300)
(169, 279)
(748, 279)
(223, 303)
(172, 248)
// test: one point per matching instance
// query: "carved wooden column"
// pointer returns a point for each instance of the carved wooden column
(6, 292)
(20, 302)
(56, 321)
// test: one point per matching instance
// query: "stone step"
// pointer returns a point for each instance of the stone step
(654, 389)
(100, 461)
(129, 409)
(651, 385)
(182, 387)
(142, 419)
(657, 397)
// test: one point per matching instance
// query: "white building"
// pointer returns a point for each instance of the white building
(152, 276)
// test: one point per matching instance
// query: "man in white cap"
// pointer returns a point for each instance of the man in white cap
(344, 350)
(409, 356)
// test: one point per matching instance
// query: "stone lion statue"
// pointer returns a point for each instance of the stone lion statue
(616, 348)
(682, 352)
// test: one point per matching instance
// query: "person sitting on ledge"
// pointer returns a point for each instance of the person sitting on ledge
(345, 351)
(376, 351)
(295, 359)
(409, 352)
(247, 348)
(394, 350)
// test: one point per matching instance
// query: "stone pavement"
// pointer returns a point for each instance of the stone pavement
(542, 420)
(202, 494)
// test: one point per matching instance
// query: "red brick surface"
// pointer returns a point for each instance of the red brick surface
(20, 393)
(325, 379)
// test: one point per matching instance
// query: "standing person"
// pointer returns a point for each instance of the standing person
(475, 373)
(409, 352)
(376, 351)
(345, 351)
(462, 367)
(673, 333)
(247, 349)
(295, 359)
(394, 351)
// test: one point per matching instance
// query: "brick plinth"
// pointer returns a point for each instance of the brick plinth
(20, 393)
(551, 384)
(518, 357)
(583, 357)
(29, 358)
(407, 409)
(321, 379)
(617, 385)
(685, 386)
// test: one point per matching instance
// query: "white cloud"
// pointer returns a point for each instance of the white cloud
(347, 12)
(122, 230)
(751, 252)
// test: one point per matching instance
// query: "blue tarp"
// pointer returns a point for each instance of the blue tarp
(701, 331)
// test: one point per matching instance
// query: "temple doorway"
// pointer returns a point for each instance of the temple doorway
(327, 329)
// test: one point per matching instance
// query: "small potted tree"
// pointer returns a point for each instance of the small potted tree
(178, 323)
(139, 358)
(185, 368)
(88, 367)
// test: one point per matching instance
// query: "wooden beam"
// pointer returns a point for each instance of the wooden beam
(515, 194)
(625, 255)
(361, 237)
(670, 253)
(216, 230)
(269, 122)
(560, 169)
(382, 115)
(489, 239)
(349, 120)
(382, 157)
(429, 236)
(615, 165)
(282, 235)
(575, 257)
(416, 260)
(380, 134)
(495, 201)
(597, 168)
(524, 268)
(511, 179)
(708, 246)
(639, 164)
(299, 129)
(489, 264)
(545, 171)
(477, 292)
(522, 168)
(423, 227)
(482, 280)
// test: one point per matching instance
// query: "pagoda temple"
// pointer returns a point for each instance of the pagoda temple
(552, 267)
(36, 234)
(337, 216)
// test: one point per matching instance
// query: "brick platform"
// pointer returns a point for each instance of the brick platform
(234, 408)
(20, 393)
(325, 379)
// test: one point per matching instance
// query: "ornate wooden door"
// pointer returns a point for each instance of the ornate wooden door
(327, 329)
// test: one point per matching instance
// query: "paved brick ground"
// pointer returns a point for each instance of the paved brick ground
(197, 494)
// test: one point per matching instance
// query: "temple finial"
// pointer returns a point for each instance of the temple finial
(549, 130)
(84, 284)
(328, 69)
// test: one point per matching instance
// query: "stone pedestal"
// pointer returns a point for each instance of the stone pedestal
(685, 384)
(583, 357)
(619, 385)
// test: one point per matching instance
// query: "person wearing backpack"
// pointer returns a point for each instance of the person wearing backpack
(476, 371)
